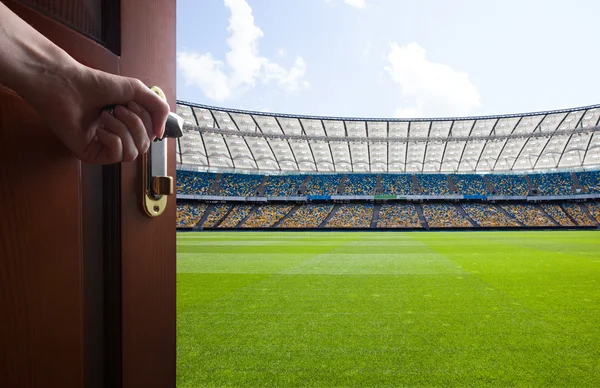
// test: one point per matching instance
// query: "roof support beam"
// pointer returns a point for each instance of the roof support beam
(289, 145)
(506, 142)
(568, 140)
(587, 148)
(268, 143)
(223, 138)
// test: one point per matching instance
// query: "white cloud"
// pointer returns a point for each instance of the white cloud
(356, 3)
(352, 3)
(243, 64)
(431, 89)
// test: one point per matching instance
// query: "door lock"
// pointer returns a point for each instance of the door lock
(157, 184)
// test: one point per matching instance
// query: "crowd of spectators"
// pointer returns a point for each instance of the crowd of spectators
(307, 216)
(352, 215)
(488, 215)
(444, 215)
(398, 215)
(265, 216)
(434, 184)
(239, 185)
(553, 184)
(193, 182)
(188, 214)
(323, 184)
(235, 216)
(594, 209)
(590, 180)
(396, 184)
(557, 214)
(528, 214)
(575, 211)
(509, 184)
(283, 185)
(470, 184)
(360, 184)
(216, 215)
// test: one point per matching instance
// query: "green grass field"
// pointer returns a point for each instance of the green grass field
(388, 309)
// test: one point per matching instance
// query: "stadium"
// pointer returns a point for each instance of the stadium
(251, 170)
(340, 251)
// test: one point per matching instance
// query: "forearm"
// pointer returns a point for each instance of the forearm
(29, 60)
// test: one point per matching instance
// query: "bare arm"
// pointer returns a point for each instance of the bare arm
(71, 96)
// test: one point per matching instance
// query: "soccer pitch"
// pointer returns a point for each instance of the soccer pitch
(388, 309)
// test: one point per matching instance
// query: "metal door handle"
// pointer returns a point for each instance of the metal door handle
(157, 184)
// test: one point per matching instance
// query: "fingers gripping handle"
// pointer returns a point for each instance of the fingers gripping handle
(174, 124)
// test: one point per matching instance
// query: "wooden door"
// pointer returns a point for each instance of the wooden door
(87, 280)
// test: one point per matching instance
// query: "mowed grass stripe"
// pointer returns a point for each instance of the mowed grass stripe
(457, 313)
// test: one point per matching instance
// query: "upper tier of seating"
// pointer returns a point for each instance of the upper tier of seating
(360, 184)
(590, 181)
(283, 185)
(434, 184)
(396, 184)
(509, 184)
(553, 184)
(195, 183)
(323, 184)
(470, 184)
(243, 185)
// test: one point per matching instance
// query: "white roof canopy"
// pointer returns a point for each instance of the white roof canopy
(234, 139)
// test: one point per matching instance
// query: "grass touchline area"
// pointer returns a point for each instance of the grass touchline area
(371, 309)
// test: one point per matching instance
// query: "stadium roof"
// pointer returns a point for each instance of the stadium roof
(219, 138)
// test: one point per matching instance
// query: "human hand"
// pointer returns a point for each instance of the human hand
(74, 104)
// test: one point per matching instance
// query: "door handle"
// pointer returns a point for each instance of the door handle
(157, 184)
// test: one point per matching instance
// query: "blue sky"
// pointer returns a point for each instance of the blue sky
(389, 58)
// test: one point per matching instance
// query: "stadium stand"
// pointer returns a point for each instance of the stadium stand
(528, 214)
(396, 184)
(239, 185)
(188, 214)
(322, 184)
(444, 215)
(265, 216)
(509, 184)
(594, 209)
(360, 184)
(307, 216)
(488, 215)
(352, 215)
(496, 171)
(557, 214)
(235, 216)
(283, 185)
(216, 215)
(590, 180)
(434, 184)
(195, 183)
(398, 215)
(470, 184)
(553, 184)
(390, 215)
(577, 214)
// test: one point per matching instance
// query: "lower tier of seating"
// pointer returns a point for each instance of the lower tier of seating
(389, 215)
